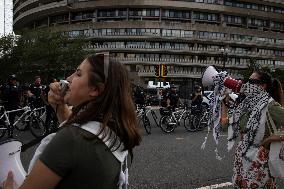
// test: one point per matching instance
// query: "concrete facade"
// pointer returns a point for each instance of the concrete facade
(187, 36)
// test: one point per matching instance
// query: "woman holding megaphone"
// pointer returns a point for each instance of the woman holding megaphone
(90, 149)
(263, 98)
(259, 107)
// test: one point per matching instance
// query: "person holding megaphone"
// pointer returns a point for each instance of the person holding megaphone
(90, 149)
(262, 97)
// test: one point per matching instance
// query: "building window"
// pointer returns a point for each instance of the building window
(277, 25)
(230, 19)
(259, 7)
(144, 12)
(205, 16)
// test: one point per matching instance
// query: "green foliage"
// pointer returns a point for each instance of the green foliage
(7, 60)
(40, 52)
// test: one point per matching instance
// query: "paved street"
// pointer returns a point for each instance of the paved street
(170, 160)
(176, 161)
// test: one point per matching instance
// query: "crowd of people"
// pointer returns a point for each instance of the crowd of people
(168, 97)
(99, 128)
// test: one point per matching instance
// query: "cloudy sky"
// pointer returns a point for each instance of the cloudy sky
(9, 16)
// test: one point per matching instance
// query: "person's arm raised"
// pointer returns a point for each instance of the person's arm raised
(56, 100)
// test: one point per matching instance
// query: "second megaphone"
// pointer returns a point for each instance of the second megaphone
(211, 72)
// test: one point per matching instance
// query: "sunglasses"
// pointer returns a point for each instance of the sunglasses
(254, 81)
(106, 63)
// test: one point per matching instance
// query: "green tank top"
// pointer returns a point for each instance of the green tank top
(81, 159)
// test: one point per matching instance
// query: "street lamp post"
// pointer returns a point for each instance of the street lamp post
(224, 52)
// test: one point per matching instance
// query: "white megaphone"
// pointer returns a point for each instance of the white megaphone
(10, 161)
(208, 77)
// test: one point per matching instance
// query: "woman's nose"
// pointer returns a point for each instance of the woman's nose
(69, 78)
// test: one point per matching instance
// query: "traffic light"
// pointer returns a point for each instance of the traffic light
(157, 70)
(164, 70)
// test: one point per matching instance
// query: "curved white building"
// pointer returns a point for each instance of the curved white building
(187, 36)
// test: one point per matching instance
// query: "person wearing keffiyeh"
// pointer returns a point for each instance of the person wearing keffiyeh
(262, 95)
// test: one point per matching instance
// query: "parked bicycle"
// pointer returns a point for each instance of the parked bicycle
(24, 117)
(171, 119)
(204, 119)
(30, 118)
(147, 123)
(141, 114)
(197, 120)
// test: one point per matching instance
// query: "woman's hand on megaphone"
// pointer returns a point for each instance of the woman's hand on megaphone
(54, 95)
(56, 100)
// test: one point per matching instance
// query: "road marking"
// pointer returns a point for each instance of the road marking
(179, 138)
(216, 185)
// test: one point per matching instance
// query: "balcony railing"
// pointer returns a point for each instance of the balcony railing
(24, 4)
(180, 73)
(180, 62)
(208, 50)
(225, 39)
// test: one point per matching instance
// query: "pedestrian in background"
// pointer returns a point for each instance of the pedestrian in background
(100, 94)
(139, 96)
(36, 93)
(172, 98)
(11, 97)
(160, 95)
(263, 96)
(196, 101)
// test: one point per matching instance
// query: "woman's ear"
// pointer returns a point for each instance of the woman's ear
(96, 91)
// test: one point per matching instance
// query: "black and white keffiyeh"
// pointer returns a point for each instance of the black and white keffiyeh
(254, 105)
(215, 110)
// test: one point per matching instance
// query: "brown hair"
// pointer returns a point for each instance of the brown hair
(114, 106)
(274, 87)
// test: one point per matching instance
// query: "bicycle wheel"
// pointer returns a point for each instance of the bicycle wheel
(203, 122)
(3, 128)
(147, 124)
(166, 124)
(37, 127)
(190, 123)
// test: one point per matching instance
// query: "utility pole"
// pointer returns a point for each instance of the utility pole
(4, 7)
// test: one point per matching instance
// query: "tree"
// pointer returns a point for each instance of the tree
(72, 54)
(46, 53)
(7, 59)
